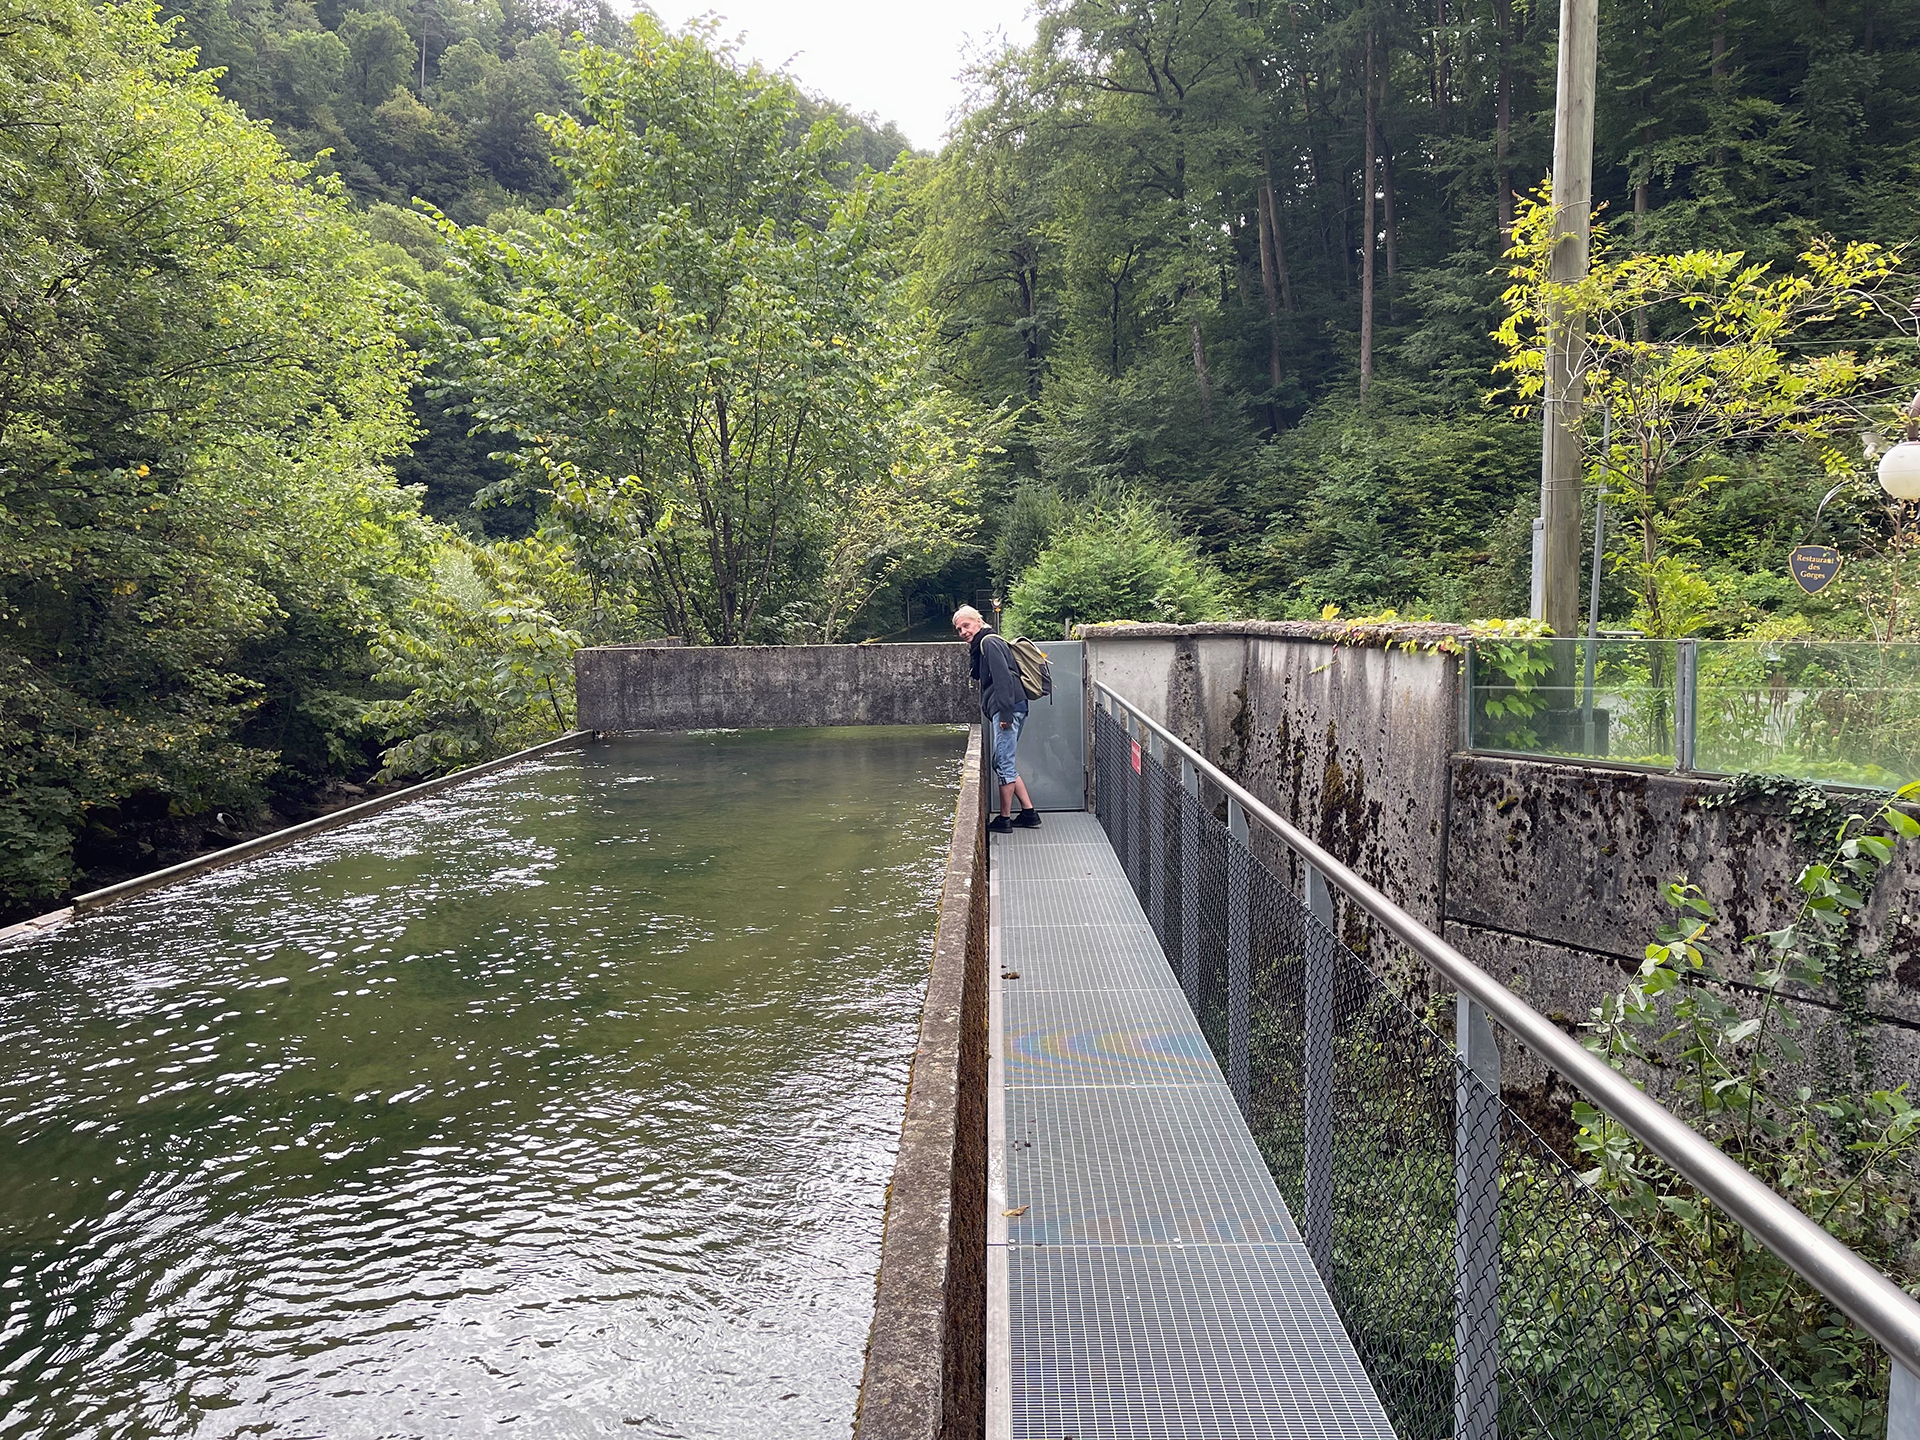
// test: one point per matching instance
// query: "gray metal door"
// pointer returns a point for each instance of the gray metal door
(1053, 742)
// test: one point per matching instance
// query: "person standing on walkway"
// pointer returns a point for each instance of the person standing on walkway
(1003, 701)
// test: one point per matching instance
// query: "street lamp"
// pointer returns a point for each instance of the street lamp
(1900, 466)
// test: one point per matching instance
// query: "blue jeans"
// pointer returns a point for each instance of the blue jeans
(1004, 743)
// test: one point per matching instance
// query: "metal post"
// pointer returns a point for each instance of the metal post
(1317, 1081)
(1476, 1226)
(1903, 1404)
(1685, 675)
(1137, 810)
(1157, 843)
(1593, 608)
(1190, 883)
(1239, 951)
(1466, 695)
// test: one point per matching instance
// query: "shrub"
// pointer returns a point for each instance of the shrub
(1116, 561)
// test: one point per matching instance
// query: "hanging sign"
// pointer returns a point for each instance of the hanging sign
(1814, 567)
(1136, 757)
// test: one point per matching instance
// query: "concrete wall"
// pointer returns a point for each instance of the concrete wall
(1348, 740)
(1547, 874)
(757, 687)
(926, 1355)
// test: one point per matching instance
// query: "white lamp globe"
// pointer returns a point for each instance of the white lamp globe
(1900, 470)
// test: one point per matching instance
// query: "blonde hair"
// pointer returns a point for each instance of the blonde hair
(967, 612)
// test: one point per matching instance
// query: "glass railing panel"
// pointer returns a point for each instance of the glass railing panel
(1845, 713)
(1583, 699)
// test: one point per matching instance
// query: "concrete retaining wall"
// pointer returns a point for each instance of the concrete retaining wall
(1549, 875)
(926, 1356)
(757, 687)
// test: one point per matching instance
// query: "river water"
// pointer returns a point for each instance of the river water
(560, 1104)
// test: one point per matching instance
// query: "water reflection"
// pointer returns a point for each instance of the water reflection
(563, 1102)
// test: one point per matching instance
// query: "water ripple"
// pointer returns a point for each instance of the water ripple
(560, 1102)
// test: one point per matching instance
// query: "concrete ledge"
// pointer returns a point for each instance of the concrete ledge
(275, 840)
(759, 687)
(926, 1359)
(1423, 634)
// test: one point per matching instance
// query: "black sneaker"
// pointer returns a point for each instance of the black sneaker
(1028, 819)
(1000, 825)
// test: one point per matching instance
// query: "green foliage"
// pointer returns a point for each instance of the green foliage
(1810, 1120)
(487, 667)
(198, 380)
(1149, 231)
(1386, 506)
(1028, 523)
(1120, 559)
(715, 395)
(1720, 375)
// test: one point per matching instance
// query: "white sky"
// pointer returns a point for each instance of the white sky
(896, 59)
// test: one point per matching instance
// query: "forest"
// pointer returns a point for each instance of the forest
(364, 358)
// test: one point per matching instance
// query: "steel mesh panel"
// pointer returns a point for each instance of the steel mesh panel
(1157, 1282)
(1161, 1341)
(1097, 902)
(1086, 958)
(1488, 1291)
(1135, 1037)
(1169, 1166)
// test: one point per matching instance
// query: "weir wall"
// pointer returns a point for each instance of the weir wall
(759, 687)
(1548, 875)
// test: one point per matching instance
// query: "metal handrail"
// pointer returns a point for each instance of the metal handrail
(1879, 1306)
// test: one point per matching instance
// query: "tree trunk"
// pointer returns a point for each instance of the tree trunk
(1200, 370)
(1719, 69)
(1027, 279)
(1641, 331)
(1273, 281)
(1442, 71)
(1270, 289)
(1273, 230)
(1503, 121)
(1392, 230)
(1319, 187)
(1366, 250)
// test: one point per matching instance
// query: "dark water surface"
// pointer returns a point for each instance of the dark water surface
(561, 1104)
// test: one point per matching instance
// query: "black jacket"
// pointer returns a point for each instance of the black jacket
(1001, 692)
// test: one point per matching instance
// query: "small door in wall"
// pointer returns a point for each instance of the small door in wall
(1053, 742)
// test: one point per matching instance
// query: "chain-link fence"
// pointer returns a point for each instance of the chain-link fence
(1488, 1290)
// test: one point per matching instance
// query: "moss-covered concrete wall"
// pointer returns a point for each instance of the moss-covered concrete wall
(1547, 874)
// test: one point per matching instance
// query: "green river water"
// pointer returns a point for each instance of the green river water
(559, 1104)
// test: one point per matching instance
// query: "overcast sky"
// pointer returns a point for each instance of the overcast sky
(898, 61)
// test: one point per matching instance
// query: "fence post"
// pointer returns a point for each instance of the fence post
(1476, 1226)
(1156, 841)
(1466, 696)
(1239, 948)
(1137, 809)
(1102, 808)
(1123, 794)
(1686, 672)
(1317, 1082)
(1903, 1403)
(1190, 883)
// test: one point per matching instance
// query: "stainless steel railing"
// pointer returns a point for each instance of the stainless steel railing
(1873, 1301)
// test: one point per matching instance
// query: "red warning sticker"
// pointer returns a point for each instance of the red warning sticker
(1136, 757)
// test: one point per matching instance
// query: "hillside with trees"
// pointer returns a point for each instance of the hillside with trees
(361, 361)
(1155, 231)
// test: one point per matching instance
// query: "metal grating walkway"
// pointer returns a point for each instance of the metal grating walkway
(1153, 1284)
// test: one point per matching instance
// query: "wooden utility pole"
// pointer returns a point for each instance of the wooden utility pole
(1557, 587)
